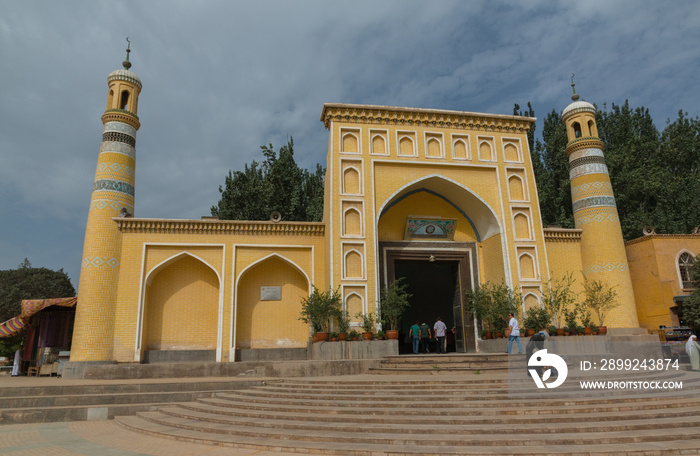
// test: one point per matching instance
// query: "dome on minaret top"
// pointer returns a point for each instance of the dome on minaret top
(124, 75)
(577, 106)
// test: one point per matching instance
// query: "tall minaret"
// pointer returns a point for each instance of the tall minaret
(112, 196)
(603, 254)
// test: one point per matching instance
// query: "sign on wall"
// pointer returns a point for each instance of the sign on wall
(270, 293)
(430, 228)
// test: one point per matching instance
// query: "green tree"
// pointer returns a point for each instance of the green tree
(601, 298)
(393, 300)
(691, 306)
(631, 154)
(27, 282)
(276, 184)
(491, 304)
(319, 309)
(559, 297)
(551, 167)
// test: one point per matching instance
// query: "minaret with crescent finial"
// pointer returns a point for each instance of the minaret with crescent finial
(112, 196)
(603, 254)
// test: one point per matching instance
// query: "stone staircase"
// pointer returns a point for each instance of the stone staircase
(456, 413)
(95, 400)
(430, 364)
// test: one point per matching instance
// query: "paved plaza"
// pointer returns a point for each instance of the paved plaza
(102, 438)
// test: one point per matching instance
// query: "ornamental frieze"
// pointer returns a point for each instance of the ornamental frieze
(404, 118)
(594, 201)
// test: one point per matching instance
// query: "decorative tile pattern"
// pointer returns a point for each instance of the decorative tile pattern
(120, 127)
(430, 228)
(607, 267)
(588, 152)
(594, 201)
(110, 204)
(591, 168)
(116, 167)
(118, 148)
(575, 163)
(114, 186)
(597, 219)
(97, 262)
(119, 137)
(592, 187)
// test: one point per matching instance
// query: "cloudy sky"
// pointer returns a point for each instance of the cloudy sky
(222, 77)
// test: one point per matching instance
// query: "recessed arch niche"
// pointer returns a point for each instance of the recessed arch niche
(271, 323)
(183, 288)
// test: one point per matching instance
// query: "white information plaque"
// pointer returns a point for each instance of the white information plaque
(270, 293)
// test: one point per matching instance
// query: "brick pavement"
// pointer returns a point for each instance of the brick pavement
(103, 438)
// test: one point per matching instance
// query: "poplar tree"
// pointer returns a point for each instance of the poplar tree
(277, 184)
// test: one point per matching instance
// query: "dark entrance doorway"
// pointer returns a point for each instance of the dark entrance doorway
(434, 287)
(438, 274)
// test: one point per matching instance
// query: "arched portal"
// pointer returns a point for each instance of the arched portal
(441, 262)
(268, 304)
(181, 289)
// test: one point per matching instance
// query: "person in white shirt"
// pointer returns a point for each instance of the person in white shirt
(514, 334)
(440, 329)
(691, 348)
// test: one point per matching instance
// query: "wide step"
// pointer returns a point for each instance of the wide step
(456, 414)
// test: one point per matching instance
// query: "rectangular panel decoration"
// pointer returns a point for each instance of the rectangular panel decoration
(430, 228)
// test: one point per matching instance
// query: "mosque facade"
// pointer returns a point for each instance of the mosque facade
(445, 198)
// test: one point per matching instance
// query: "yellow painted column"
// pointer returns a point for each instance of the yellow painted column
(603, 254)
(112, 196)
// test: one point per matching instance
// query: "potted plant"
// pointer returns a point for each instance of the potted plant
(343, 321)
(368, 325)
(491, 305)
(381, 335)
(601, 298)
(334, 336)
(393, 301)
(318, 309)
(557, 298)
(570, 317)
(586, 323)
(552, 330)
(354, 335)
(537, 318)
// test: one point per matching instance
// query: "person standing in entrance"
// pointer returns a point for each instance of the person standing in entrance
(514, 334)
(414, 333)
(440, 329)
(424, 338)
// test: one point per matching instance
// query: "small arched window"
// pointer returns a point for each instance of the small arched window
(685, 265)
(577, 129)
(591, 128)
(124, 100)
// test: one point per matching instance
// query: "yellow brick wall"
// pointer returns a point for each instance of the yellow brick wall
(392, 225)
(653, 262)
(271, 324)
(181, 307)
(387, 156)
(227, 255)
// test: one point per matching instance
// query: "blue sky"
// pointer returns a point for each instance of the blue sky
(220, 78)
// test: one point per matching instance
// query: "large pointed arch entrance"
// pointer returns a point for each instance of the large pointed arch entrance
(434, 232)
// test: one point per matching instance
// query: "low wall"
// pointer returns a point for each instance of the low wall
(113, 371)
(372, 349)
(643, 344)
